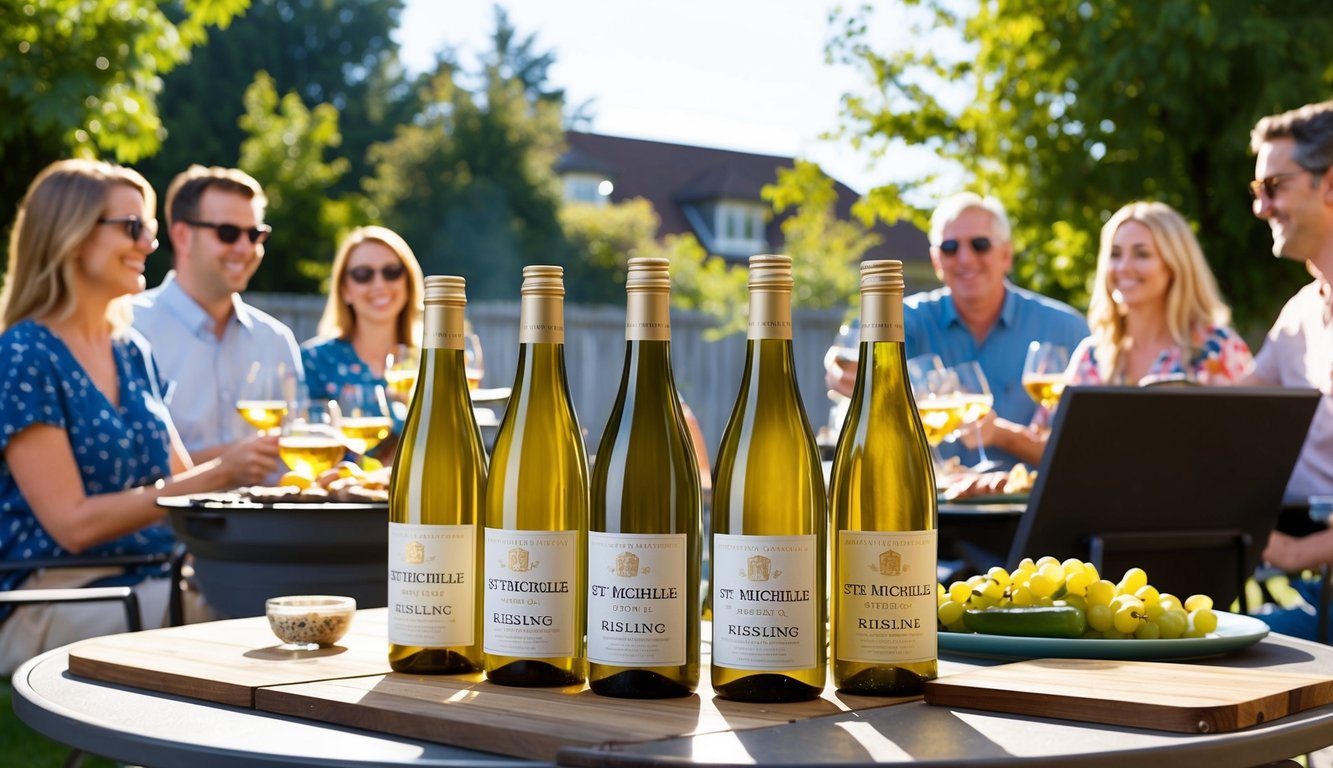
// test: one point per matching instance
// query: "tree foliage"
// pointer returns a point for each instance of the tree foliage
(82, 77)
(1076, 107)
(470, 181)
(286, 152)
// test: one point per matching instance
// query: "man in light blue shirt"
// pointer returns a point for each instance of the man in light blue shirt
(979, 315)
(204, 337)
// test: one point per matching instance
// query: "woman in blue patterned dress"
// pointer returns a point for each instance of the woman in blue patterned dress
(86, 442)
(374, 305)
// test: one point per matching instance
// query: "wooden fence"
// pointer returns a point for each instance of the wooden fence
(708, 373)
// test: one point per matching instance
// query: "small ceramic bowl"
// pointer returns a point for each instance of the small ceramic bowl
(310, 621)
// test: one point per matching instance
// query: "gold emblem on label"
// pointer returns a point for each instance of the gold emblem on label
(627, 565)
(890, 563)
(760, 568)
(414, 553)
(519, 560)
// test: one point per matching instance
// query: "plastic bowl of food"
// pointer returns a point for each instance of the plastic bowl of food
(306, 622)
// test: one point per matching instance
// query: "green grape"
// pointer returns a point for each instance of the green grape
(1194, 633)
(1100, 617)
(1053, 571)
(1092, 571)
(941, 594)
(951, 612)
(1046, 560)
(960, 592)
(1169, 601)
(957, 626)
(1023, 596)
(1173, 623)
(1133, 579)
(1115, 634)
(999, 576)
(1100, 592)
(993, 590)
(1147, 593)
(1077, 581)
(1148, 630)
(1204, 620)
(1072, 565)
(1043, 585)
(1195, 602)
(1127, 618)
(1026, 564)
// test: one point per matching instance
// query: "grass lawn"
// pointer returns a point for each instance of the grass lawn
(22, 746)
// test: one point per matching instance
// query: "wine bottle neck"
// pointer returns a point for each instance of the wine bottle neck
(648, 316)
(541, 320)
(882, 316)
(442, 327)
(770, 315)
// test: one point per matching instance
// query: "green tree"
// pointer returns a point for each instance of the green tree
(81, 77)
(286, 152)
(339, 53)
(469, 182)
(1075, 107)
(604, 238)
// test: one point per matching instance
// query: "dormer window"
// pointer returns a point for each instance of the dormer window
(738, 228)
(587, 188)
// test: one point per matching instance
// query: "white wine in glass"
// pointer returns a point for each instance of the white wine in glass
(1044, 373)
(363, 416)
(261, 402)
(400, 372)
(977, 401)
(308, 443)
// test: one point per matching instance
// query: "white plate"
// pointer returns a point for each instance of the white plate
(1234, 632)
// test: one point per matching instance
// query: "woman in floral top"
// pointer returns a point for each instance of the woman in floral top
(374, 305)
(86, 442)
(1156, 313)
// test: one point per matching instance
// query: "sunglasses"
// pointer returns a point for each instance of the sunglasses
(134, 226)
(1268, 187)
(363, 275)
(230, 233)
(979, 245)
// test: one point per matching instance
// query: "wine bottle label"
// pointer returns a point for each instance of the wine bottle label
(881, 317)
(766, 607)
(636, 599)
(531, 582)
(431, 584)
(886, 596)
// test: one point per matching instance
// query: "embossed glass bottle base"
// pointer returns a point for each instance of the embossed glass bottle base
(889, 681)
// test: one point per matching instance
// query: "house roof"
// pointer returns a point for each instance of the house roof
(672, 175)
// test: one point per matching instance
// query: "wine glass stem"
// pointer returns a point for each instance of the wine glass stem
(981, 446)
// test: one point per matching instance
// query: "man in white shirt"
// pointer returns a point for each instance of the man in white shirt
(1293, 192)
(204, 337)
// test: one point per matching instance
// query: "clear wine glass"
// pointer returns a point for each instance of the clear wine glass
(1044, 373)
(976, 400)
(400, 372)
(309, 443)
(362, 416)
(935, 403)
(260, 398)
(474, 362)
(843, 353)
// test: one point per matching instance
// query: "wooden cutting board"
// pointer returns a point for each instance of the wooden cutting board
(238, 662)
(1188, 698)
(227, 661)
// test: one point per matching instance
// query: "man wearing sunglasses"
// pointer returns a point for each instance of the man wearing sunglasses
(1293, 193)
(979, 315)
(205, 338)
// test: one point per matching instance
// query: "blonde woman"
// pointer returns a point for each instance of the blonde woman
(86, 442)
(1156, 313)
(374, 305)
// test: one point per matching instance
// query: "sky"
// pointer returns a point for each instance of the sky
(744, 75)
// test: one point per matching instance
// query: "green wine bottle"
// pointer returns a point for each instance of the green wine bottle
(770, 522)
(644, 540)
(882, 496)
(537, 508)
(435, 497)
